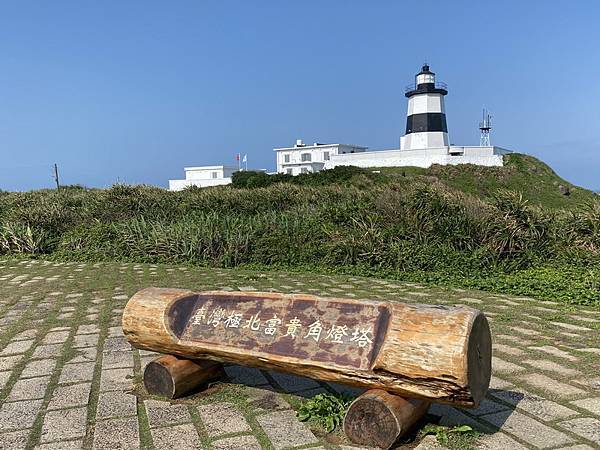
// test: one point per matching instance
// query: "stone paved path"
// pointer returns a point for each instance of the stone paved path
(69, 379)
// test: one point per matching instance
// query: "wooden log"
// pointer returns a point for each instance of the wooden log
(173, 377)
(417, 351)
(378, 418)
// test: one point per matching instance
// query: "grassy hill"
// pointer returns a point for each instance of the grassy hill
(524, 174)
(521, 173)
(506, 229)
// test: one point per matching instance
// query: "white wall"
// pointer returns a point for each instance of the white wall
(178, 185)
(483, 156)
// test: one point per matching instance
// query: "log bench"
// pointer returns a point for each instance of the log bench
(406, 355)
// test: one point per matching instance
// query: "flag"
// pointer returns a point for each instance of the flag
(237, 157)
(245, 159)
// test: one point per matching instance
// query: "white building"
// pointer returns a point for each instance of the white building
(203, 176)
(425, 141)
(302, 158)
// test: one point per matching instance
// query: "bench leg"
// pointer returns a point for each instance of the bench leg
(172, 377)
(378, 418)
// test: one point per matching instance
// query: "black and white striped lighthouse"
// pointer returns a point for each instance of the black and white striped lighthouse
(426, 122)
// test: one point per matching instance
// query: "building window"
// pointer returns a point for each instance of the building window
(289, 171)
(325, 156)
(215, 174)
(306, 157)
(304, 169)
(286, 158)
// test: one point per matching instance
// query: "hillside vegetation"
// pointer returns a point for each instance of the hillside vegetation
(457, 226)
(535, 180)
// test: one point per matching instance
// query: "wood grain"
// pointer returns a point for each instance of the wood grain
(418, 351)
(172, 377)
(378, 418)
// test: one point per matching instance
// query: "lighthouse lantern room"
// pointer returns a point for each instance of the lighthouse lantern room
(426, 119)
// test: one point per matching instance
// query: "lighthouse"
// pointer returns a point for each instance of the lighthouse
(426, 119)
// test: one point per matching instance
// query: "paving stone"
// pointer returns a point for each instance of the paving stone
(38, 368)
(47, 351)
(85, 340)
(487, 407)
(570, 326)
(116, 360)
(4, 376)
(237, 443)
(64, 424)
(555, 352)
(529, 430)
(69, 396)
(499, 383)
(245, 375)
(284, 430)
(293, 383)
(117, 434)
(588, 383)
(525, 331)
(515, 339)
(590, 404)
(180, 437)
(17, 347)
(498, 441)
(115, 332)
(427, 443)
(116, 404)
(88, 354)
(551, 366)
(88, 329)
(115, 344)
(577, 447)
(586, 427)
(265, 398)
(15, 440)
(501, 365)
(56, 337)
(61, 445)
(540, 407)
(164, 413)
(550, 385)
(222, 418)
(502, 348)
(451, 417)
(19, 415)
(73, 373)
(116, 380)
(27, 334)
(29, 389)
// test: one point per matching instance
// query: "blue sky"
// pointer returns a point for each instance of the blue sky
(133, 91)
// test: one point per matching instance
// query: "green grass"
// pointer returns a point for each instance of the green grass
(506, 230)
(538, 183)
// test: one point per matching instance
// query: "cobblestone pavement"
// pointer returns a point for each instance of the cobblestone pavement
(69, 379)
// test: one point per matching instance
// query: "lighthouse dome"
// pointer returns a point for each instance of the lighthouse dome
(425, 76)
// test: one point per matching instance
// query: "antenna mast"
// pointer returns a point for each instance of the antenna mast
(484, 127)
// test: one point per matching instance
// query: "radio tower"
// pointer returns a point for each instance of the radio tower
(485, 126)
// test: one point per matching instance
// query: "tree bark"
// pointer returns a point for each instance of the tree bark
(417, 351)
(173, 377)
(378, 418)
